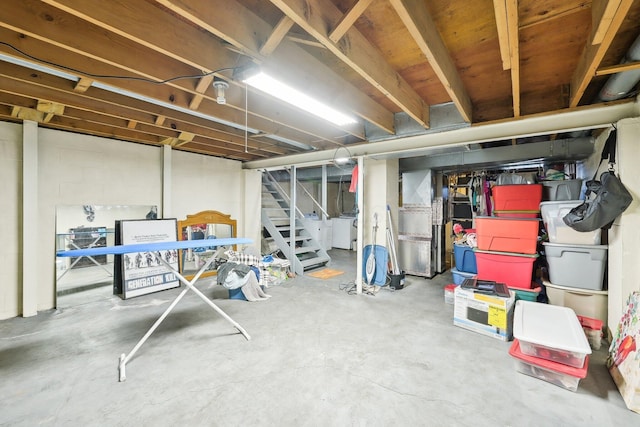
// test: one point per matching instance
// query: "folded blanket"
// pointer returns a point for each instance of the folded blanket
(252, 290)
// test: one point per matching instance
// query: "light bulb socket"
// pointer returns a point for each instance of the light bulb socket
(220, 85)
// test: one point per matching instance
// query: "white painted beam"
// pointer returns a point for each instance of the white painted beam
(581, 118)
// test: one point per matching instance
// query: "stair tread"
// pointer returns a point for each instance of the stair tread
(314, 261)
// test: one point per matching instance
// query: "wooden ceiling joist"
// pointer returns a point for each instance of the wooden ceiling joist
(348, 19)
(139, 60)
(162, 92)
(506, 12)
(106, 103)
(603, 13)
(83, 84)
(422, 28)
(277, 35)
(618, 68)
(241, 28)
(593, 53)
(358, 53)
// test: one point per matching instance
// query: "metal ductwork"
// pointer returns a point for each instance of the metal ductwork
(620, 84)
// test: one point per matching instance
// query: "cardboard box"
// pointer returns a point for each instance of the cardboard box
(486, 314)
(624, 354)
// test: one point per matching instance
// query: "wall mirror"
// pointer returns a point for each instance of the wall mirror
(87, 226)
(203, 225)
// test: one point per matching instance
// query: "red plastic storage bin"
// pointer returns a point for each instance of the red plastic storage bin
(517, 214)
(517, 197)
(507, 234)
(513, 269)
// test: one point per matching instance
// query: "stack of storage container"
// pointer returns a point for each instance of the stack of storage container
(549, 344)
(507, 244)
(465, 259)
(576, 260)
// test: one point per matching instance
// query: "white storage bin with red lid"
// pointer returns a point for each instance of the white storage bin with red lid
(555, 373)
(550, 332)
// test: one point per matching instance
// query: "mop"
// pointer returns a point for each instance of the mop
(395, 269)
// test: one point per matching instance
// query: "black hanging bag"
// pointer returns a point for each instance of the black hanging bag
(611, 197)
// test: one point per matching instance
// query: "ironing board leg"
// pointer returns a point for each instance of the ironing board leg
(125, 358)
(207, 300)
(189, 286)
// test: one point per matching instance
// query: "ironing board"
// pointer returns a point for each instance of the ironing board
(153, 248)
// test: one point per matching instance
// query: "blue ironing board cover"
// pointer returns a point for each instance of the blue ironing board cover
(152, 247)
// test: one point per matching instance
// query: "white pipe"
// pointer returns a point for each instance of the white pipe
(619, 85)
(581, 118)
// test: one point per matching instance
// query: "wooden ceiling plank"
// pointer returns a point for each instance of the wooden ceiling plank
(162, 92)
(277, 35)
(560, 10)
(73, 34)
(349, 18)
(315, 17)
(178, 39)
(103, 103)
(111, 114)
(602, 15)
(240, 27)
(592, 55)
(98, 129)
(421, 26)
(232, 144)
(141, 60)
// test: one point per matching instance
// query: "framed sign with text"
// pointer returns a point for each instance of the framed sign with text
(141, 273)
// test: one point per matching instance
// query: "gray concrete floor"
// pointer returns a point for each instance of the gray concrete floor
(318, 357)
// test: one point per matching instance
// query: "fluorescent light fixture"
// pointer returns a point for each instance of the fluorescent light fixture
(293, 96)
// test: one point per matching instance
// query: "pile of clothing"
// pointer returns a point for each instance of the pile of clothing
(234, 275)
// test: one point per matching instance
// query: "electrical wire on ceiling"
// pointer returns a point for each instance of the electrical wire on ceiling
(111, 76)
(340, 161)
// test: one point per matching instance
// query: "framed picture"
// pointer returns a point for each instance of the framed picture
(141, 273)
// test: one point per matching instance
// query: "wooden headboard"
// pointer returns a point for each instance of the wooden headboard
(205, 222)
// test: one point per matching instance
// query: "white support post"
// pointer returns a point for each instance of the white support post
(324, 192)
(360, 196)
(29, 218)
(166, 182)
(292, 216)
